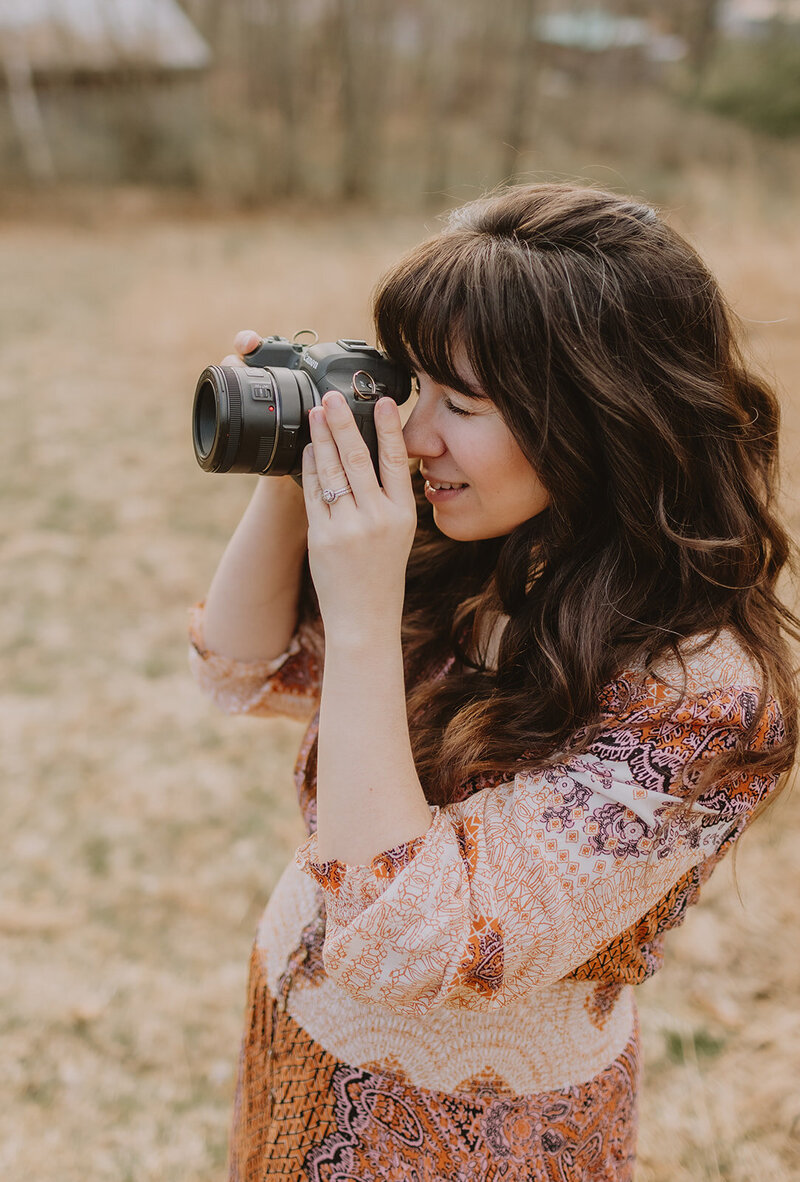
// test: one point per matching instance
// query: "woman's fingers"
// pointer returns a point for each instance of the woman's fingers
(340, 453)
(395, 474)
(342, 456)
(316, 509)
(246, 341)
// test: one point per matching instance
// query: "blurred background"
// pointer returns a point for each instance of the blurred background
(248, 101)
(171, 172)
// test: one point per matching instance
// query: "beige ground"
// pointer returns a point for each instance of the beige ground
(142, 832)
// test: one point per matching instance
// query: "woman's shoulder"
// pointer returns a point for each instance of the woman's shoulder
(709, 661)
(713, 684)
(711, 677)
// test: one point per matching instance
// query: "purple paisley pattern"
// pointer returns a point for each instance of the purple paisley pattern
(618, 831)
(568, 800)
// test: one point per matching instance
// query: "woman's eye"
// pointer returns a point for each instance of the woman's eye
(457, 410)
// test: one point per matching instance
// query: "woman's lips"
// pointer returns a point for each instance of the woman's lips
(438, 496)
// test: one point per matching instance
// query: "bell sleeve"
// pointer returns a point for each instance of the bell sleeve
(289, 684)
(518, 885)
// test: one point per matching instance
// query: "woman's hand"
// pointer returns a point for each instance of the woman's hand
(369, 797)
(358, 547)
(244, 342)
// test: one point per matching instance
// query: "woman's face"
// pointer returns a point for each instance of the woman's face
(464, 441)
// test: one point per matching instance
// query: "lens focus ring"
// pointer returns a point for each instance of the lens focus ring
(264, 454)
(231, 379)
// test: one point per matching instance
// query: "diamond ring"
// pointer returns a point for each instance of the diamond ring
(329, 495)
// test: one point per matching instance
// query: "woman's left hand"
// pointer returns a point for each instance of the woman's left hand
(358, 546)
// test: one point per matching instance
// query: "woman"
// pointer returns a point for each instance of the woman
(555, 693)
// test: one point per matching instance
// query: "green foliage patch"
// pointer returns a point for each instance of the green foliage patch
(758, 84)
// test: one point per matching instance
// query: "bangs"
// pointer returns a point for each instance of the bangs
(427, 308)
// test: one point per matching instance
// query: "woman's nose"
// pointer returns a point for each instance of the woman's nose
(420, 435)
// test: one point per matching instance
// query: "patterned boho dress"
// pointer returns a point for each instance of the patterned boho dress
(461, 1010)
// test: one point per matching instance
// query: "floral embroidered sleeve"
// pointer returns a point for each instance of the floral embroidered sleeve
(518, 885)
(289, 684)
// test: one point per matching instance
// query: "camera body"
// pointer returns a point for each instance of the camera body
(254, 418)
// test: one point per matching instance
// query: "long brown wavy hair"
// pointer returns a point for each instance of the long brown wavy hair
(608, 349)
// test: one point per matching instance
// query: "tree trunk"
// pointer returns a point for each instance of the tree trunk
(25, 110)
(437, 71)
(702, 32)
(284, 65)
(363, 61)
(522, 68)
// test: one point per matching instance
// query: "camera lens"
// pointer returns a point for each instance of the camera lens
(247, 419)
(205, 419)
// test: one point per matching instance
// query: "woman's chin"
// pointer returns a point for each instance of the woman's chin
(457, 531)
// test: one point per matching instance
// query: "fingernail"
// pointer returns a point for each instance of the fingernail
(333, 398)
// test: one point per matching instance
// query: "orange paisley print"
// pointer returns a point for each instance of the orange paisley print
(461, 1008)
(304, 1116)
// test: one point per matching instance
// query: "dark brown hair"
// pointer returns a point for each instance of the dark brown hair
(608, 349)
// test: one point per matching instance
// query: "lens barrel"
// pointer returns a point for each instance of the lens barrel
(248, 419)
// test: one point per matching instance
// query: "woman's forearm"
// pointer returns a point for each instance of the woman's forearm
(251, 606)
(369, 797)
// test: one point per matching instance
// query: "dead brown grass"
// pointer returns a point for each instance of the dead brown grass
(142, 831)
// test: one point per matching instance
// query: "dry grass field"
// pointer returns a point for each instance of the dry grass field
(142, 832)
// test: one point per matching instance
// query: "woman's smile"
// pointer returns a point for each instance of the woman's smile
(440, 494)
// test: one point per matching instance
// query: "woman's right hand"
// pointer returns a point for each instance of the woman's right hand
(244, 342)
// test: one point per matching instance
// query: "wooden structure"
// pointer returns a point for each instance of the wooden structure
(42, 40)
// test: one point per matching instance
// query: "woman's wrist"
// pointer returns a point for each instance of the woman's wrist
(361, 637)
(251, 606)
(283, 491)
(369, 797)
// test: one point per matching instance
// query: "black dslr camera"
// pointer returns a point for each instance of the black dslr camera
(255, 418)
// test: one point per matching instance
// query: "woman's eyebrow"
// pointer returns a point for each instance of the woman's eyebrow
(470, 392)
(460, 387)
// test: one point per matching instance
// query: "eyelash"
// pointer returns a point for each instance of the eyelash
(451, 406)
(457, 410)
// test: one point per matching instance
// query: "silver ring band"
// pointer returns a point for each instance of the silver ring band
(329, 495)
